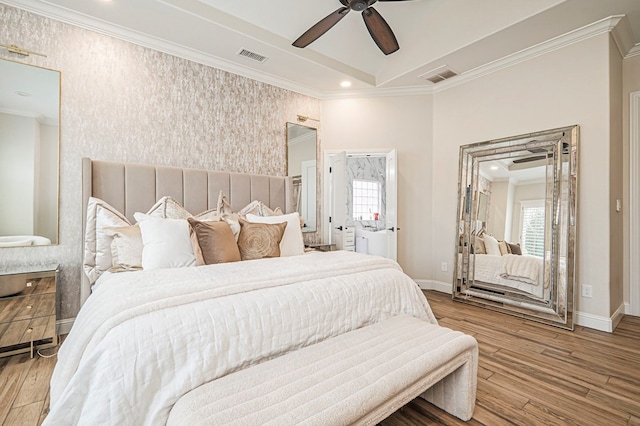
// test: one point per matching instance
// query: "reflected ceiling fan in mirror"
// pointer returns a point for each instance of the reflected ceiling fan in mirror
(378, 28)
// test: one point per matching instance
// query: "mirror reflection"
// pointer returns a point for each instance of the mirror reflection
(301, 165)
(29, 140)
(515, 248)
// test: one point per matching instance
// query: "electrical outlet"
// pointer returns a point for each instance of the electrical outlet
(444, 267)
(587, 291)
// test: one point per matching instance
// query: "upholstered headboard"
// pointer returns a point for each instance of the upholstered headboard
(134, 188)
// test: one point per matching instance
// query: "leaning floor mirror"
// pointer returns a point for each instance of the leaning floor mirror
(516, 239)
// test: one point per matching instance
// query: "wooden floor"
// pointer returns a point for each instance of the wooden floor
(529, 374)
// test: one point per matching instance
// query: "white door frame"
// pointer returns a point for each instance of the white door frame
(326, 181)
(634, 205)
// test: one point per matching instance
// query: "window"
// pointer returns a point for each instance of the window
(366, 199)
(532, 227)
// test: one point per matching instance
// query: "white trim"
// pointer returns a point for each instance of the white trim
(440, 286)
(70, 17)
(598, 322)
(64, 326)
(634, 204)
(576, 36)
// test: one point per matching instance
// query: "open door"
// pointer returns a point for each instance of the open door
(338, 216)
(392, 205)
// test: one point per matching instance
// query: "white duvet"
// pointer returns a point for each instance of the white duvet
(143, 339)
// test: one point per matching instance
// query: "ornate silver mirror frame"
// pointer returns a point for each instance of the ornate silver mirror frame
(516, 235)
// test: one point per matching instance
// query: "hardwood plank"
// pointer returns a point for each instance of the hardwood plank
(36, 384)
(24, 415)
(11, 378)
(528, 374)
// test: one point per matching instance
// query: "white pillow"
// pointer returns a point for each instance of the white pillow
(97, 248)
(292, 243)
(166, 243)
(491, 245)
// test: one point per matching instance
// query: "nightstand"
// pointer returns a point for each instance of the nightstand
(322, 247)
(28, 309)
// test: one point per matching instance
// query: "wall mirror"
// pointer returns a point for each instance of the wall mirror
(516, 239)
(29, 150)
(301, 165)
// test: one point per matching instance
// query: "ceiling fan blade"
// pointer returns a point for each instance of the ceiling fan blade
(324, 25)
(380, 31)
(393, 0)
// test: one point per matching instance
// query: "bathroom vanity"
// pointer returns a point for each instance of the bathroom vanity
(28, 309)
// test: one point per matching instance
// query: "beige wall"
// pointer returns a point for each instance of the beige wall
(564, 87)
(630, 84)
(122, 102)
(403, 123)
(616, 183)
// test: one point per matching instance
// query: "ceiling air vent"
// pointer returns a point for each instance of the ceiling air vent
(252, 55)
(439, 74)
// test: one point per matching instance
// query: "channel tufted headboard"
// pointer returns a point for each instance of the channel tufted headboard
(134, 188)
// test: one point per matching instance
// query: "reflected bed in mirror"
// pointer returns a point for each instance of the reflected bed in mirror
(301, 165)
(515, 248)
(29, 144)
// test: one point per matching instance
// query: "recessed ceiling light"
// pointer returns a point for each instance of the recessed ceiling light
(494, 167)
(345, 84)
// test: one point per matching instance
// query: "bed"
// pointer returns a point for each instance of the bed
(146, 337)
(522, 274)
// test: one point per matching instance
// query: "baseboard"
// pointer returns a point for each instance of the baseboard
(434, 285)
(598, 322)
(64, 326)
(584, 319)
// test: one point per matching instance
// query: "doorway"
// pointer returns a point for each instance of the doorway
(360, 189)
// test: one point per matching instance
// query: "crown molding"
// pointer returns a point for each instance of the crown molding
(602, 26)
(635, 51)
(68, 16)
(621, 34)
(381, 92)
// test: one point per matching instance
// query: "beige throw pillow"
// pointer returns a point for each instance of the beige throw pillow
(126, 247)
(259, 240)
(213, 242)
(504, 249)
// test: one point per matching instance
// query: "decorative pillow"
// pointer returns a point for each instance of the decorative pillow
(503, 247)
(292, 243)
(208, 215)
(166, 243)
(168, 208)
(213, 242)
(223, 206)
(478, 246)
(491, 245)
(258, 208)
(258, 240)
(97, 248)
(514, 249)
(126, 248)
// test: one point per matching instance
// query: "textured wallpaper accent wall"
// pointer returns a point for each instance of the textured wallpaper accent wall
(123, 102)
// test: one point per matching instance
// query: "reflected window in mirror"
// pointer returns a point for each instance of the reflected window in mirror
(29, 154)
(302, 167)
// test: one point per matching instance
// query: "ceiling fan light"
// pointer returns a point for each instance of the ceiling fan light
(345, 84)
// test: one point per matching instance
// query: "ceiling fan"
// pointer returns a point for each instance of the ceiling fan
(543, 154)
(378, 28)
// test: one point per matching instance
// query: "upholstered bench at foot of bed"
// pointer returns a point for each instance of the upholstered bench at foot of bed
(360, 377)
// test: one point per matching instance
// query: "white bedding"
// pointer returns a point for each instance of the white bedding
(489, 269)
(145, 338)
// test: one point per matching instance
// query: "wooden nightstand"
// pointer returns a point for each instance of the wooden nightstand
(322, 247)
(28, 309)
